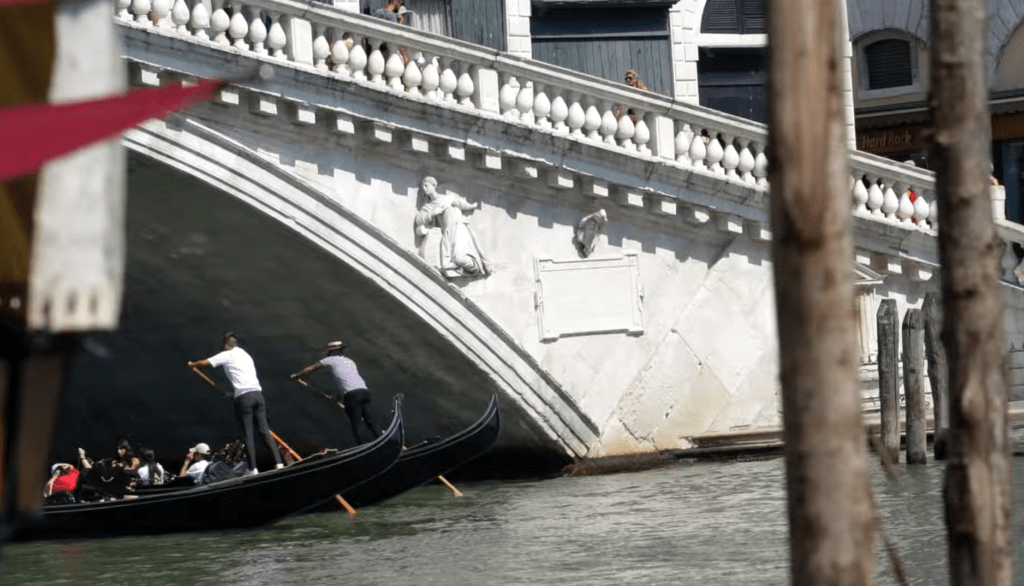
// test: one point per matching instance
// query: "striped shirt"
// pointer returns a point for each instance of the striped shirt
(345, 374)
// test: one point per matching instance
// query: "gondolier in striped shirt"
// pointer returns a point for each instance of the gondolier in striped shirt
(355, 396)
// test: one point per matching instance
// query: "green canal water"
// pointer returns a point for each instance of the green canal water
(692, 523)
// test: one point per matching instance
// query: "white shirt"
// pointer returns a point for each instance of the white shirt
(196, 470)
(144, 474)
(239, 368)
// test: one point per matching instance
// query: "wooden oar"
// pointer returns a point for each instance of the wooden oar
(444, 480)
(280, 441)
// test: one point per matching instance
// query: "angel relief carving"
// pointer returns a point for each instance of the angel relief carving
(448, 242)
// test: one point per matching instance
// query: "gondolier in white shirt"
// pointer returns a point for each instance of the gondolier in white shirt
(355, 396)
(250, 408)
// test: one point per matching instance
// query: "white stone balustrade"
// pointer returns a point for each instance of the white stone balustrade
(423, 66)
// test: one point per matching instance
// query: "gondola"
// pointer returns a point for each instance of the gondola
(244, 502)
(424, 462)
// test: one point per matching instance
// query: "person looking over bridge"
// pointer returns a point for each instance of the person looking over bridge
(355, 396)
(250, 407)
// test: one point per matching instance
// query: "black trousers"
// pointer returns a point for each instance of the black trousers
(357, 405)
(250, 409)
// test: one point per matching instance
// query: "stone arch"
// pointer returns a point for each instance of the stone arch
(1004, 28)
(240, 172)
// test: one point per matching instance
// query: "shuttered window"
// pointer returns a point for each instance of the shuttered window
(742, 17)
(889, 64)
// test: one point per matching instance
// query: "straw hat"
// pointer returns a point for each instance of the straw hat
(336, 345)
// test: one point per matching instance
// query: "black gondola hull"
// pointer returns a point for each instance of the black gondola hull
(420, 464)
(243, 502)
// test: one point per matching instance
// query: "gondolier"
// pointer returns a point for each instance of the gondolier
(355, 396)
(250, 408)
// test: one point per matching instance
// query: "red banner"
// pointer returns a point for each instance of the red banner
(36, 133)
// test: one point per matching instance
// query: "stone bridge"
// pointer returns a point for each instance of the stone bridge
(291, 209)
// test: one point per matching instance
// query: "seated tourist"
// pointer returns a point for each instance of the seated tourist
(63, 482)
(196, 461)
(151, 473)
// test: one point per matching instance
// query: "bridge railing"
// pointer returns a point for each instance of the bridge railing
(709, 144)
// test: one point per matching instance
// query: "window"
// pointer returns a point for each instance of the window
(742, 17)
(606, 39)
(889, 64)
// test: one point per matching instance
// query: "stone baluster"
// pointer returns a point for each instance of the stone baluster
(219, 23)
(276, 37)
(394, 67)
(933, 213)
(876, 198)
(577, 115)
(730, 157)
(684, 138)
(745, 162)
(161, 10)
(641, 133)
(357, 60)
(1009, 262)
(592, 121)
(524, 103)
(625, 130)
(449, 81)
(609, 124)
(507, 96)
(716, 153)
(559, 114)
(180, 15)
(891, 203)
(257, 31)
(199, 20)
(921, 210)
(541, 107)
(431, 80)
(340, 53)
(122, 9)
(321, 48)
(465, 88)
(376, 63)
(698, 150)
(412, 78)
(760, 171)
(860, 195)
(905, 211)
(238, 28)
(141, 8)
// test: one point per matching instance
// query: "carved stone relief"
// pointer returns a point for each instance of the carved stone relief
(448, 243)
(585, 236)
(589, 296)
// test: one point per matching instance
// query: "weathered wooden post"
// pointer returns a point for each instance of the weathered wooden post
(938, 371)
(913, 386)
(977, 487)
(888, 373)
(830, 515)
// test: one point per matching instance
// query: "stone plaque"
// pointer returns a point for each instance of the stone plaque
(589, 296)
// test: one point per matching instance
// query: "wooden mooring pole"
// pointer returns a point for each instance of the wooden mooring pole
(829, 506)
(938, 372)
(977, 489)
(888, 377)
(913, 387)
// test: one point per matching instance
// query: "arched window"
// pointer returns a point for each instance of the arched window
(889, 63)
(739, 17)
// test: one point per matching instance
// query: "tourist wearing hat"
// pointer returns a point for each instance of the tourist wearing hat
(196, 461)
(250, 408)
(355, 396)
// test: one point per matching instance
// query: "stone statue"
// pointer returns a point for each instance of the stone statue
(459, 252)
(586, 232)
